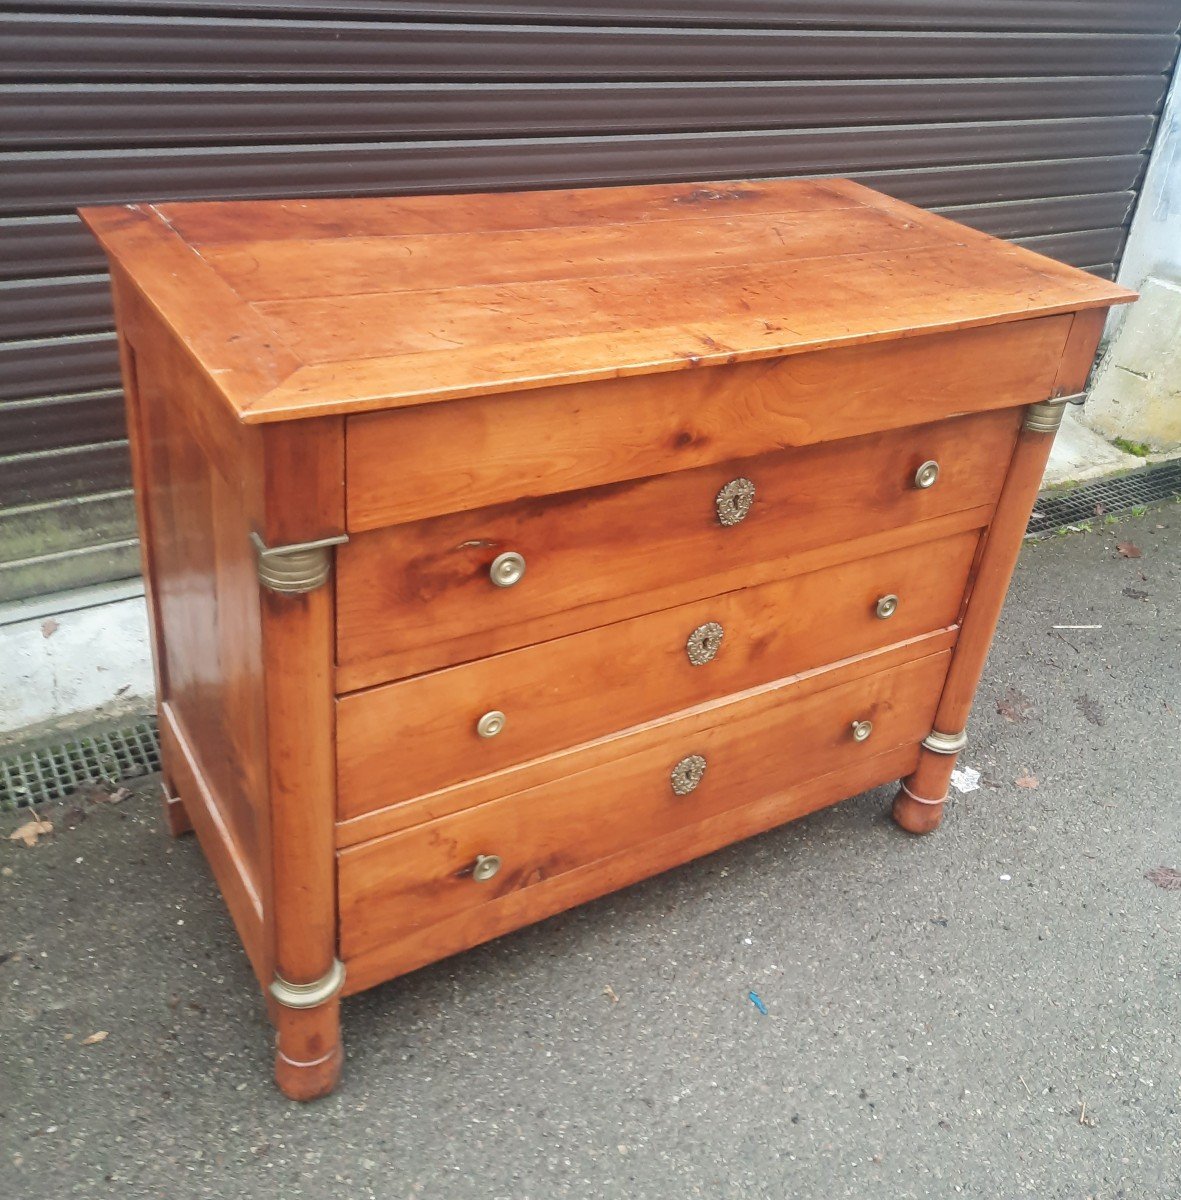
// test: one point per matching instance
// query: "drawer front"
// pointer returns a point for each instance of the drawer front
(419, 735)
(701, 766)
(433, 459)
(416, 597)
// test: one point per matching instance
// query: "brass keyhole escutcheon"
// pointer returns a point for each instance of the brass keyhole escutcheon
(927, 474)
(734, 500)
(491, 723)
(704, 643)
(486, 866)
(862, 730)
(686, 775)
(887, 606)
(507, 569)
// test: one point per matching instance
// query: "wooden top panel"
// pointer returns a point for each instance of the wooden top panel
(306, 308)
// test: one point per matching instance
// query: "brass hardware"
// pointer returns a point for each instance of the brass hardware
(507, 569)
(704, 643)
(887, 606)
(862, 730)
(734, 500)
(946, 743)
(491, 723)
(292, 570)
(922, 799)
(686, 775)
(1047, 416)
(485, 867)
(927, 474)
(308, 995)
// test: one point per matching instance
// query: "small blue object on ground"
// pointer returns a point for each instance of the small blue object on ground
(754, 999)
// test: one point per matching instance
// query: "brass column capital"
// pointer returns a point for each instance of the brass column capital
(297, 568)
(1047, 416)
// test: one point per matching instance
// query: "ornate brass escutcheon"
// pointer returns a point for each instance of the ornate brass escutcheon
(734, 500)
(686, 775)
(704, 643)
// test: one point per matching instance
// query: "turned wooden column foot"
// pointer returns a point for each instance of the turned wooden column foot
(306, 1016)
(175, 814)
(916, 814)
(308, 1051)
(918, 807)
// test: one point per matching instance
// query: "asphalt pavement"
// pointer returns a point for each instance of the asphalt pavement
(989, 1012)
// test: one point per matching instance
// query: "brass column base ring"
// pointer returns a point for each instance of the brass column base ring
(309, 995)
(922, 799)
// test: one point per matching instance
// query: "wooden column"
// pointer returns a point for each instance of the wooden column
(918, 807)
(304, 476)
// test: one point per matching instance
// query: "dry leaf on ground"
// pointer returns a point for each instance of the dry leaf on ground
(49, 627)
(1168, 878)
(1129, 550)
(1015, 706)
(30, 831)
(94, 1038)
(1027, 779)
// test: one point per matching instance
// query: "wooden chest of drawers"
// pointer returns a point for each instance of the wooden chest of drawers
(503, 550)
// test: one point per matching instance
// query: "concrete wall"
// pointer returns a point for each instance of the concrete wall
(1154, 243)
(61, 668)
(1137, 391)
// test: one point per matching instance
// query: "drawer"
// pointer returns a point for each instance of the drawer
(433, 458)
(420, 596)
(656, 784)
(405, 739)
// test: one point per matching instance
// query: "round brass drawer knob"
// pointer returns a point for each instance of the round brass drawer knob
(927, 474)
(887, 606)
(486, 867)
(686, 775)
(491, 723)
(507, 569)
(734, 500)
(704, 643)
(862, 730)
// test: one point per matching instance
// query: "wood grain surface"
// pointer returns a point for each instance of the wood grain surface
(431, 459)
(419, 735)
(416, 597)
(396, 886)
(359, 305)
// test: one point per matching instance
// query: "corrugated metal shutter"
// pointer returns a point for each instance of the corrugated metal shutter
(1030, 119)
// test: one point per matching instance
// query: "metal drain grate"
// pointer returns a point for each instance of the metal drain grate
(1118, 494)
(107, 757)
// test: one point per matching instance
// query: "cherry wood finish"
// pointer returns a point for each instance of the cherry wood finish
(641, 670)
(424, 461)
(341, 411)
(416, 597)
(919, 805)
(571, 760)
(392, 887)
